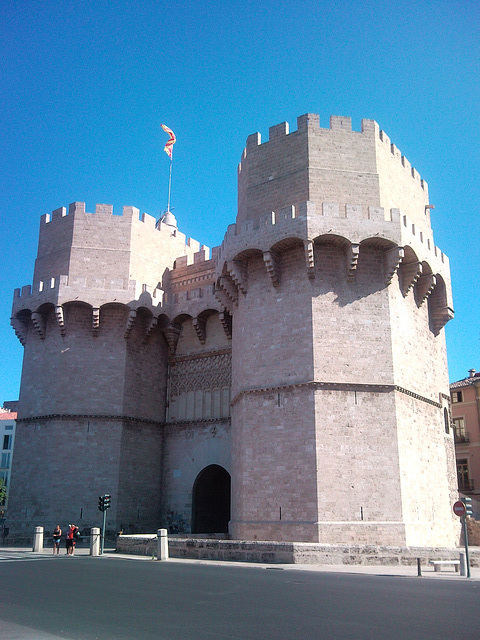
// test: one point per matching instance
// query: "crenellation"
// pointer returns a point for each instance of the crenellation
(58, 213)
(340, 122)
(278, 131)
(104, 209)
(148, 221)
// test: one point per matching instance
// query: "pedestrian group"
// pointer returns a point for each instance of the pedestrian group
(71, 537)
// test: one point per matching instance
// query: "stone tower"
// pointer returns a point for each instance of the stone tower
(304, 362)
(340, 428)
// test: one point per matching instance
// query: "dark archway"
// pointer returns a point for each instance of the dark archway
(211, 500)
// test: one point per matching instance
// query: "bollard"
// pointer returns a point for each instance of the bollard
(162, 544)
(463, 563)
(95, 541)
(419, 568)
(38, 539)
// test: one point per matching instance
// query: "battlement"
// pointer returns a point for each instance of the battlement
(311, 122)
(355, 222)
(130, 215)
(336, 164)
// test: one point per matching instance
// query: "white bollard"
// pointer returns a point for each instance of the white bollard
(463, 563)
(38, 539)
(95, 541)
(162, 544)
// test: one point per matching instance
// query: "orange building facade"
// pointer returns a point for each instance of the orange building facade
(465, 396)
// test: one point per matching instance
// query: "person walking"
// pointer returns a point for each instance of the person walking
(57, 535)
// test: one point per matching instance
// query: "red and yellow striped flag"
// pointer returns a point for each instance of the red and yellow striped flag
(170, 142)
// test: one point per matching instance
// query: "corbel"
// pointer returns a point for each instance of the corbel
(226, 320)
(424, 287)
(200, 326)
(60, 319)
(410, 273)
(272, 265)
(39, 324)
(310, 259)
(392, 261)
(95, 321)
(352, 254)
(172, 334)
(132, 314)
(238, 274)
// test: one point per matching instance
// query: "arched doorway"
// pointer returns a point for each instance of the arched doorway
(211, 500)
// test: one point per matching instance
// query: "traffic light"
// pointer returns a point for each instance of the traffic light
(106, 501)
(468, 506)
(101, 504)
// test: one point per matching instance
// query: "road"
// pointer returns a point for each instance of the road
(109, 598)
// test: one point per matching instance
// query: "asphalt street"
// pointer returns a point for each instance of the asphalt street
(107, 598)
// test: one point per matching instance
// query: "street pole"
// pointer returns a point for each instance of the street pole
(465, 537)
(103, 531)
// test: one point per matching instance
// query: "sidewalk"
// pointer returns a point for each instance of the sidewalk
(447, 573)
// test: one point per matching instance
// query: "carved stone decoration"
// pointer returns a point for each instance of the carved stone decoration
(238, 274)
(60, 319)
(392, 260)
(424, 287)
(213, 371)
(410, 273)
(151, 324)
(229, 288)
(172, 334)
(200, 326)
(226, 320)
(440, 317)
(95, 321)
(39, 324)
(132, 314)
(222, 297)
(309, 257)
(352, 259)
(272, 265)
(21, 329)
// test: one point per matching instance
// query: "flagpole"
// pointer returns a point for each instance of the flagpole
(170, 180)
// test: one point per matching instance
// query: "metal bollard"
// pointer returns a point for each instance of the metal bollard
(463, 563)
(38, 539)
(95, 541)
(162, 544)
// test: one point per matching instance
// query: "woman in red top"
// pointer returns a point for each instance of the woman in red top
(70, 541)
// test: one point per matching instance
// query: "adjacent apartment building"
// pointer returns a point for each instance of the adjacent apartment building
(7, 438)
(465, 396)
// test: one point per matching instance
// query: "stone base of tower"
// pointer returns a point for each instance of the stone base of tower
(363, 533)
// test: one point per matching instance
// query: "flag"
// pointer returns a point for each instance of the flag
(170, 142)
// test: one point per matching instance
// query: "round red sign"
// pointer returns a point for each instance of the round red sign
(459, 509)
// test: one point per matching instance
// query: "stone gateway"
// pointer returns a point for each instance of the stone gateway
(289, 385)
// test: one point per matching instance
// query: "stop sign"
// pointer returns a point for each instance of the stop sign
(459, 509)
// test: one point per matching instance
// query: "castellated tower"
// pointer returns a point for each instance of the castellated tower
(340, 420)
(293, 386)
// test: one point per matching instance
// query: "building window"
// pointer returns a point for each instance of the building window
(457, 397)
(5, 461)
(447, 421)
(464, 483)
(460, 431)
(7, 442)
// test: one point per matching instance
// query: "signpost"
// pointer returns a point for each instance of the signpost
(460, 510)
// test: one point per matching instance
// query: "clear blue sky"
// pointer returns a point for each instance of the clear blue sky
(85, 85)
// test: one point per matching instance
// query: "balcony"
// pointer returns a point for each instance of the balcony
(466, 486)
(461, 438)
